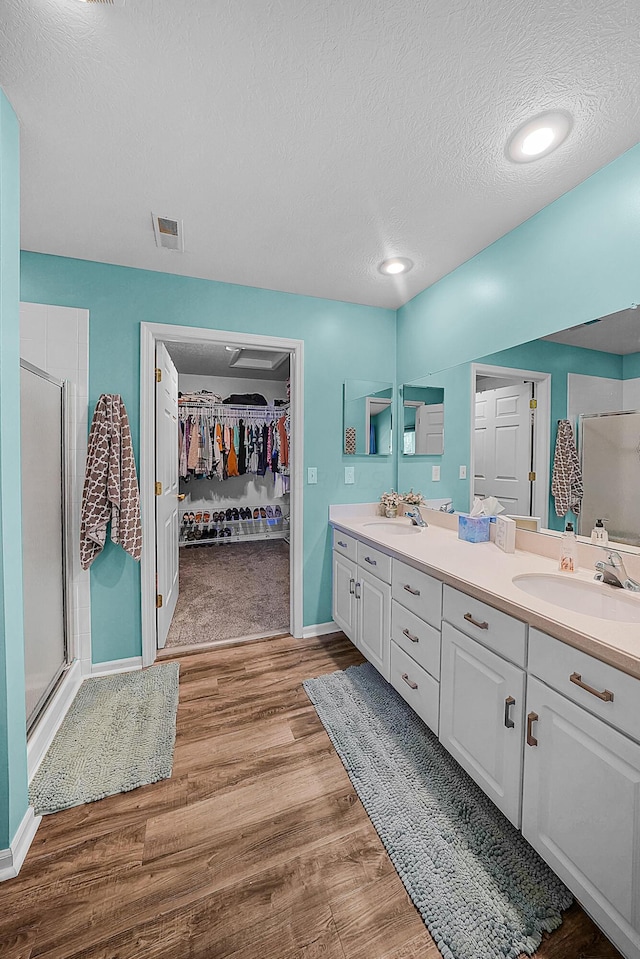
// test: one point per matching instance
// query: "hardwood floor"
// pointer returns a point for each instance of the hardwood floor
(256, 848)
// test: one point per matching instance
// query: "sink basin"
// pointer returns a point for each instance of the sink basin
(591, 599)
(393, 526)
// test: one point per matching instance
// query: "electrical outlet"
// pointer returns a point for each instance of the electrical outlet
(349, 474)
(435, 474)
(463, 472)
(312, 475)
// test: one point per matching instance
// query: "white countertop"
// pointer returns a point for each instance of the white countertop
(482, 570)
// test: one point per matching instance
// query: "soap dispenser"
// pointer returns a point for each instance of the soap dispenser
(568, 550)
(599, 535)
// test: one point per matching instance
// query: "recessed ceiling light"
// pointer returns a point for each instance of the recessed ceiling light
(538, 137)
(395, 264)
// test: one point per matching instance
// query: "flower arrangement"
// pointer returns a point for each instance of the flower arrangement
(389, 502)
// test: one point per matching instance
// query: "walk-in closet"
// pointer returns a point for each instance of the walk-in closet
(233, 516)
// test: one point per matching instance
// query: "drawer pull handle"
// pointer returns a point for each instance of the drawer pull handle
(357, 594)
(531, 739)
(508, 703)
(474, 622)
(414, 639)
(606, 695)
(340, 543)
(408, 681)
(372, 562)
(352, 583)
(414, 592)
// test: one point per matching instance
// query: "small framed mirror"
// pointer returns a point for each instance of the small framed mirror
(368, 417)
(423, 425)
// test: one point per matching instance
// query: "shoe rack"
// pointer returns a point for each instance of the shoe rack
(215, 528)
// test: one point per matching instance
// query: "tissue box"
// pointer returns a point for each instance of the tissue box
(474, 529)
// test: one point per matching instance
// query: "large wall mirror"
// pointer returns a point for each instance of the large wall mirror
(367, 417)
(501, 417)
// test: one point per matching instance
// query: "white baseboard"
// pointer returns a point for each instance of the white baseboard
(320, 629)
(11, 859)
(49, 723)
(116, 666)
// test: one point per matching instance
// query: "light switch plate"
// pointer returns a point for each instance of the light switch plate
(312, 475)
(349, 474)
(463, 472)
(435, 473)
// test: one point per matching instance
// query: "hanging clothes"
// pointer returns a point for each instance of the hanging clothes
(566, 483)
(110, 493)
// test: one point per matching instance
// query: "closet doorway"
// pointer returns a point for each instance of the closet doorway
(226, 437)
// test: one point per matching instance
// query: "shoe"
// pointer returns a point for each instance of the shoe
(256, 513)
(229, 513)
(278, 513)
(205, 519)
(213, 533)
(198, 517)
(263, 512)
(270, 512)
(235, 514)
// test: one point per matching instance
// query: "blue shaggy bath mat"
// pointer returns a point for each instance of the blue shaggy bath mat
(119, 734)
(481, 889)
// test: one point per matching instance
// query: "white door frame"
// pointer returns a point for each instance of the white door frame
(542, 433)
(150, 333)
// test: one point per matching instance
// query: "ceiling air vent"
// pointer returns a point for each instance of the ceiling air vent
(169, 233)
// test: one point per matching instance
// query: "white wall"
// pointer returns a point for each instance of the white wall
(225, 385)
(56, 339)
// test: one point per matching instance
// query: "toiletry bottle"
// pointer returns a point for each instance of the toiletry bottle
(568, 550)
(599, 535)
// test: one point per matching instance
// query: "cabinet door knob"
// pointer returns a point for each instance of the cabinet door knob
(606, 695)
(414, 639)
(408, 681)
(414, 592)
(181, 496)
(474, 622)
(531, 739)
(508, 703)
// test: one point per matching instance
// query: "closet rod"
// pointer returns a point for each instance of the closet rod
(222, 408)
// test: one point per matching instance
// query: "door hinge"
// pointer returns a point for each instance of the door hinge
(533, 404)
(158, 375)
(159, 601)
(532, 477)
(158, 489)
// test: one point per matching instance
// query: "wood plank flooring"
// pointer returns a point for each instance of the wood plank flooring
(256, 848)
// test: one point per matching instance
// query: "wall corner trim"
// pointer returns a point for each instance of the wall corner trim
(320, 629)
(116, 666)
(48, 725)
(11, 859)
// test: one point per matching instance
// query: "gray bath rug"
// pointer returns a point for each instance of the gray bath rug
(118, 734)
(481, 889)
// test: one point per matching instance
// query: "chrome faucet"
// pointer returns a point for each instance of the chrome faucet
(613, 573)
(416, 517)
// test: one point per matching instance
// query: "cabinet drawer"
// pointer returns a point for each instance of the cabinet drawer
(417, 591)
(498, 631)
(417, 638)
(416, 686)
(346, 545)
(375, 562)
(555, 663)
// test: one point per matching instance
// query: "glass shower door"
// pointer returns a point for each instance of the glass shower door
(42, 412)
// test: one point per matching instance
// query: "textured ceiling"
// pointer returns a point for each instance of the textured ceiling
(211, 359)
(302, 141)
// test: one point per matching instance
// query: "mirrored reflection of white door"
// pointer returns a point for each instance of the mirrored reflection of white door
(502, 446)
(429, 438)
(167, 489)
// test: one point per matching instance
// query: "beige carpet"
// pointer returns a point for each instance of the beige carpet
(231, 591)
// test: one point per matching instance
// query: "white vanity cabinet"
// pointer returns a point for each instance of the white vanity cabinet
(581, 796)
(362, 598)
(481, 717)
(416, 611)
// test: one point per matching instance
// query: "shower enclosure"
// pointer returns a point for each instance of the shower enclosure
(610, 456)
(43, 429)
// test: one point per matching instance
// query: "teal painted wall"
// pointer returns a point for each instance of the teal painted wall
(342, 341)
(13, 742)
(631, 364)
(574, 261)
